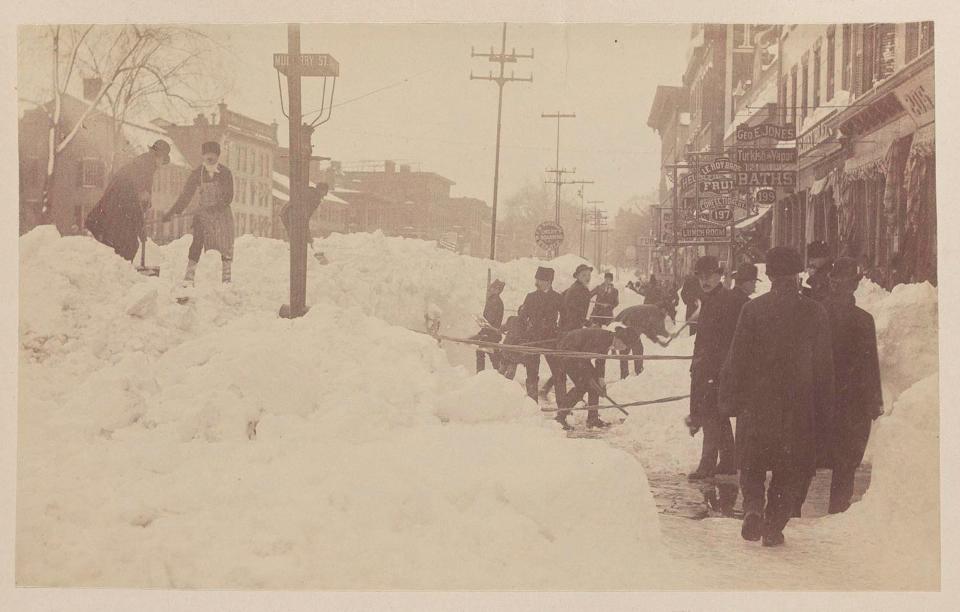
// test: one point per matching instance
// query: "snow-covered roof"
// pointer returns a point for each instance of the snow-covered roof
(143, 137)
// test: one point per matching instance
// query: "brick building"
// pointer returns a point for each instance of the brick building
(83, 169)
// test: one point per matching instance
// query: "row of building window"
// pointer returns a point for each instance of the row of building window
(875, 62)
(242, 159)
(256, 193)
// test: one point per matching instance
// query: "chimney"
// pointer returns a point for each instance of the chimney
(389, 167)
(200, 119)
(91, 87)
(221, 111)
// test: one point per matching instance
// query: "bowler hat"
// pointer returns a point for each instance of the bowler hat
(783, 261)
(163, 148)
(544, 274)
(581, 268)
(707, 264)
(746, 272)
(210, 147)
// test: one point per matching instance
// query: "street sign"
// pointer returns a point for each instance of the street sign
(548, 235)
(766, 155)
(311, 64)
(767, 178)
(765, 196)
(766, 130)
(703, 234)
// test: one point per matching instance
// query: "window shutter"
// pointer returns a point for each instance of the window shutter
(886, 50)
(912, 41)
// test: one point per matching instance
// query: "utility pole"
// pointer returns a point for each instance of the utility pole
(501, 58)
(298, 235)
(296, 65)
(557, 170)
(597, 212)
(582, 213)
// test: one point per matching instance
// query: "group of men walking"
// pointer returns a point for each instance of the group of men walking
(564, 321)
(798, 368)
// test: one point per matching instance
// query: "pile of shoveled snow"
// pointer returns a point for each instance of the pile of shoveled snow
(216, 445)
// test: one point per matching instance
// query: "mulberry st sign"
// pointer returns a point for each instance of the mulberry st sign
(310, 64)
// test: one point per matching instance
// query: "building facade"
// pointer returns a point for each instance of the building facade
(84, 168)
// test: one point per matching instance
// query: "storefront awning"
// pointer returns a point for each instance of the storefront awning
(924, 141)
(749, 221)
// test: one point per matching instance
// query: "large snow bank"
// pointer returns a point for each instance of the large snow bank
(216, 445)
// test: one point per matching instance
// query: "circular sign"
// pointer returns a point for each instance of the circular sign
(766, 196)
(548, 235)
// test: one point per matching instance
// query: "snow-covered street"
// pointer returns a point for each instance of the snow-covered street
(215, 445)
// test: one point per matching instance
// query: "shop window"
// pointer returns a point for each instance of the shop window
(831, 62)
(793, 96)
(804, 88)
(91, 172)
(846, 63)
(926, 35)
(911, 41)
(816, 77)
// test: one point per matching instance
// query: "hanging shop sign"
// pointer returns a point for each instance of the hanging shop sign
(772, 131)
(766, 155)
(666, 232)
(767, 178)
(765, 196)
(916, 95)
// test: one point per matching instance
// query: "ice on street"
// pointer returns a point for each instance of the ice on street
(213, 445)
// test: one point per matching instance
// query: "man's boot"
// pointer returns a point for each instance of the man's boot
(593, 421)
(752, 528)
(227, 265)
(189, 274)
(773, 538)
(562, 419)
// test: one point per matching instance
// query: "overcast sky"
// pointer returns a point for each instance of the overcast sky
(431, 114)
(404, 93)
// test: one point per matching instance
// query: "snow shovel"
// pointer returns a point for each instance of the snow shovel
(143, 268)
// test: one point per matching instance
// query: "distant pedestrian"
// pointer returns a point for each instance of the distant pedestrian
(540, 317)
(779, 383)
(857, 370)
(117, 219)
(719, 312)
(587, 376)
(608, 298)
(213, 227)
(493, 319)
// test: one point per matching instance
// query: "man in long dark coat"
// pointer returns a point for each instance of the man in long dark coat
(857, 370)
(779, 383)
(540, 315)
(719, 312)
(588, 376)
(117, 219)
(691, 293)
(608, 298)
(576, 300)
(819, 264)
